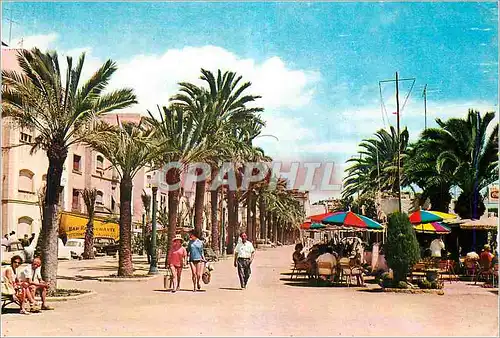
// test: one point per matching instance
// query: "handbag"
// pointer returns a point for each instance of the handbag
(7, 289)
(205, 277)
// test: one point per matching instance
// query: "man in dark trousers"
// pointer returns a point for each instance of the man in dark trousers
(243, 258)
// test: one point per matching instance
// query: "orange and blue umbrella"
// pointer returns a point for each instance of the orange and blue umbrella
(433, 228)
(352, 220)
(312, 226)
(318, 218)
(428, 216)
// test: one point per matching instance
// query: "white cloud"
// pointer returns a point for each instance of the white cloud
(42, 41)
(480, 29)
(155, 77)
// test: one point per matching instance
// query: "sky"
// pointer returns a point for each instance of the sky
(317, 65)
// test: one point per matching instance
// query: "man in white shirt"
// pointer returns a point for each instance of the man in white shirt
(243, 258)
(32, 275)
(436, 246)
(12, 237)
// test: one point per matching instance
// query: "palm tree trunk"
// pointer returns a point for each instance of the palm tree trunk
(270, 225)
(214, 195)
(231, 219)
(275, 228)
(88, 252)
(199, 203)
(173, 177)
(50, 224)
(249, 229)
(253, 207)
(125, 267)
(262, 216)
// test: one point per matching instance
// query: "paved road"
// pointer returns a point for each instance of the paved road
(269, 307)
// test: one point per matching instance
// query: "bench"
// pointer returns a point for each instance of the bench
(7, 299)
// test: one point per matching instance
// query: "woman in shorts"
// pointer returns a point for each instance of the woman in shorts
(175, 261)
(196, 258)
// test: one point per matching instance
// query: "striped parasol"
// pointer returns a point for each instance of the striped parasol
(428, 216)
(433, 228)
(351, 220)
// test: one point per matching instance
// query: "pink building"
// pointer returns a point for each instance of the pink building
(24, 175)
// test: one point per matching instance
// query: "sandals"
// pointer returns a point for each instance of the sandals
(24, 312)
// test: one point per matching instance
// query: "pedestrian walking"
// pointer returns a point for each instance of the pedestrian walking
(176, 260)
(243, 258)
(196, 258)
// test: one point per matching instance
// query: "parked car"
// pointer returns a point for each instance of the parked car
(76, 247)
(105, 245)
(15, 248)
(63, 252)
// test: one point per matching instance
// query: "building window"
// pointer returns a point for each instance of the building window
(99, 198)
(77, 160)
(75, 205)
(100, 162)
(113, 204)
(24, 226)
(25, 137)
(25, 180)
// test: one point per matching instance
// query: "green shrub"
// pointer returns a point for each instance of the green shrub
(401, 250)
(402, 285)
(386, 280)
(424, 284)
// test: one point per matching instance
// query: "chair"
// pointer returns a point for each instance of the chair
(300, 266)
(345, 270)
(448, 267)
(484, 270)
(417, 270)
(471, 267)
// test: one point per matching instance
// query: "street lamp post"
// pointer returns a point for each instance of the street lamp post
(153, 267)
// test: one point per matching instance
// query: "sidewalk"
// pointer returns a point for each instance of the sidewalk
(268, 307)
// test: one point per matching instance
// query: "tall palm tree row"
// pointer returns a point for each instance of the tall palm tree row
(61, 113)
(222, 106)
(185, 142)
(129, 147)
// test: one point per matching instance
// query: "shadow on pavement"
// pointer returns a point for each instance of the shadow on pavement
(370, 290)
(79, 278)
(232, 289)
(10, 310)
(180, 290)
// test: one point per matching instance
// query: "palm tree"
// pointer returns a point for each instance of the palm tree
(146, 203)
(223, 106)
(89, 197)
(376, 167)
(185, 139)
(129, 147)
(62, 113)
(420, 169)
(466, 157)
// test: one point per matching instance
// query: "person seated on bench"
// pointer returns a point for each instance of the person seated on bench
(12, 288)
(31, 277)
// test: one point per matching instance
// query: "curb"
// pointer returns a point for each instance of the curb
(415, 291)
(66, 298)
(125, 279)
